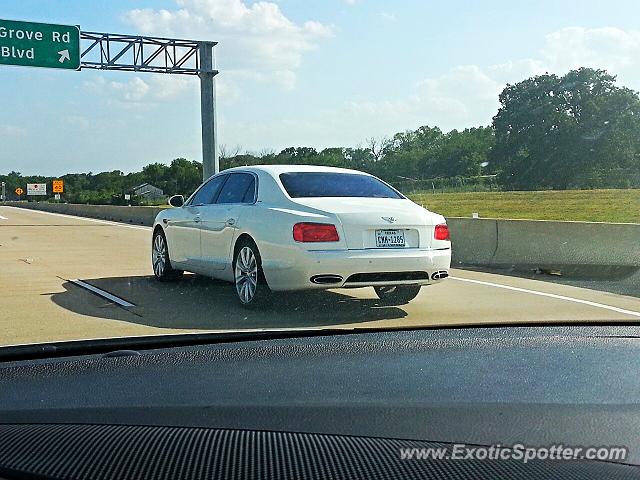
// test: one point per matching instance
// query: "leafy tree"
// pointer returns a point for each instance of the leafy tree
(157, 174)
(184, 176)
(297, 155)
(462, 153)
(406, 153)
(563, 132)
(359, 159)
(331, 157)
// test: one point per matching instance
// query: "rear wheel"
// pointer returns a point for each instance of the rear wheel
(160, 259)
(251, 287)
(397, 294)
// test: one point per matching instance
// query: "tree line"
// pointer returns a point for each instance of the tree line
(580, 130)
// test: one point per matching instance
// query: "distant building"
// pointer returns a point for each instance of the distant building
(146, 190)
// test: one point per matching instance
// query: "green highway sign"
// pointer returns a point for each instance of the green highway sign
(32, 44)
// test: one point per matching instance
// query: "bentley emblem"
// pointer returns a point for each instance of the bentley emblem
(390, 219)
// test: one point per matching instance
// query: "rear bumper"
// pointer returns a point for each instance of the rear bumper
(410, 266)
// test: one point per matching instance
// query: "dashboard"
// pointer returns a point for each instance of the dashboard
(323, 397)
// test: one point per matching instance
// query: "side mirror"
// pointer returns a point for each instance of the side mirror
(176, 201)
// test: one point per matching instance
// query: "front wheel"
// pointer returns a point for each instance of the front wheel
(397, 294)
(160, 259)
(250, 283)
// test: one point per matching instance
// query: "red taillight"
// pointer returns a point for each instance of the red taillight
(315, 232)
(442, 232)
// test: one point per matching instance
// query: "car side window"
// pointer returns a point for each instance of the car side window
(250, 194)
(240, 188)
(207, 194)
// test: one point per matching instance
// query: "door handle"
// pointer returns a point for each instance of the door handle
(197, 219)
(231, 221)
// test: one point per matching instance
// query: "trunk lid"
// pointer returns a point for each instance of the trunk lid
(367, 221)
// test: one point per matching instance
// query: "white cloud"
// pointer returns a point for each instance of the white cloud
(12, 131)
(351, 2)
(614, 49)
(136, 91)
(391, 17)
(77, 121)
(252, 36)
(132, 91)
(464, 96)
(128, 93)
(169, 86)
(467, 95)
(511, 71)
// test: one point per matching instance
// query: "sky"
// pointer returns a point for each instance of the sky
(319, 73)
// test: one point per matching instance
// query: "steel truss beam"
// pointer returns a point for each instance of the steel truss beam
(109, 51)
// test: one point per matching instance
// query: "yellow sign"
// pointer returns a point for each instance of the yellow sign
(58, 186)
(19, 191)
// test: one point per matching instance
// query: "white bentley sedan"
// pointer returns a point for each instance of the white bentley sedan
(293, 227)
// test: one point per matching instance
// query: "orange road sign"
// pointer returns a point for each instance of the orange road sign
(58, 186)
(19, 191)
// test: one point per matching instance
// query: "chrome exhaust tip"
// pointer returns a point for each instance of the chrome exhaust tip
(439, 275)
(326, 279)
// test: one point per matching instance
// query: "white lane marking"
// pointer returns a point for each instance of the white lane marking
(94, 220)
(3, 218)
(551, 295)
(103, 293)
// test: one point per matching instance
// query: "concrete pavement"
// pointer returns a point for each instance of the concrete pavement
(40, 252)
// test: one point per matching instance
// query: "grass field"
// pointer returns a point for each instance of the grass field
(577, 205)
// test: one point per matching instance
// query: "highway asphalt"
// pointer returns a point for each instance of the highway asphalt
(40, 253)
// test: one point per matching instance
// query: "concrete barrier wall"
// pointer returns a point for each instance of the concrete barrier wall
(544, 244)
(473, 242)
(480, 242)
(134, 215)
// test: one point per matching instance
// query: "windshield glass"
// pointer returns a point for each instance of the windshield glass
(321, 184)
(339, 164)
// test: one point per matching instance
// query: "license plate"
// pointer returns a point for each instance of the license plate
(390, 238)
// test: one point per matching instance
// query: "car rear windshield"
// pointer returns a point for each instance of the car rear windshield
(329, 184)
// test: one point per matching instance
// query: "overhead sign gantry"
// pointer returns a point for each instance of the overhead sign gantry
(67, 47)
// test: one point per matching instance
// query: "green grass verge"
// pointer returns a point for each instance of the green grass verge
(576, 205)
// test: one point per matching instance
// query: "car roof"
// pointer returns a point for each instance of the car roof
(275, 170)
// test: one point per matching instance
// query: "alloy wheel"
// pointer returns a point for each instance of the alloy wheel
(246, 274)
(159, 255)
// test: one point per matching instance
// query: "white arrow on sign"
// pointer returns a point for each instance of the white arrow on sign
(64, 55)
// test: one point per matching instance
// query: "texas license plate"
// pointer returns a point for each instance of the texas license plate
(390, 238)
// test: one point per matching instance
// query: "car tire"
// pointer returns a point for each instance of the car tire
(160, 261)
(397, 294)
(249, 281)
